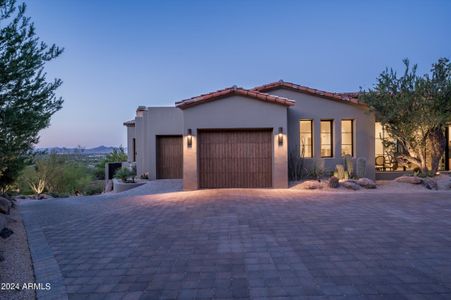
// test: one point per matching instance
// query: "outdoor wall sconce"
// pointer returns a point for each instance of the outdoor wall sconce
(189, 138)
(280, 136)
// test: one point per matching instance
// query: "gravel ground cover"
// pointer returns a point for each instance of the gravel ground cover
(17, 267)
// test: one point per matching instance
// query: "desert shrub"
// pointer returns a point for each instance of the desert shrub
(95, 187)
(53, 173)
(296, 170)
(118, 155)
(349, 165)
(57, 195)
(333, 182)
(361, 167)
(317, 168)
(23, 182)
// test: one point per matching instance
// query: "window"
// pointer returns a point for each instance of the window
(326, 138)
(134, 149)
(347, 137)
(448, 150)
(306, 138)
(379, 135)
(385, 161)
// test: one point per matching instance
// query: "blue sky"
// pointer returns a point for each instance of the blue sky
(121, 54)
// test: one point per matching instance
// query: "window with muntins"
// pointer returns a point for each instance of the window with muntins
(347, 137)
(327, 138)
(306, 138)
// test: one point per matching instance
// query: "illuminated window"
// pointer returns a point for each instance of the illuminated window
(384, 158)
(306, 138)
(326, 138)
(379, 135)
(347, 138)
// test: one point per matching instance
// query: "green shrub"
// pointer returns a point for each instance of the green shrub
(123, 174)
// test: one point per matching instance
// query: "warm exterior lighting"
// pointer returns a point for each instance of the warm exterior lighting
(189, 138)
(280, 136)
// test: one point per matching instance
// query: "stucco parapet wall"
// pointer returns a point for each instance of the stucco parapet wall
(234, 91)
(130, 123)
(119, 186)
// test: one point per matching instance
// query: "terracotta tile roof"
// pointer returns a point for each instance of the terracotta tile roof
(350, 94)
(234, 91)
(130, 123)
(342, 97)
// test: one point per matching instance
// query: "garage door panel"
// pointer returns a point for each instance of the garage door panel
(238, 158)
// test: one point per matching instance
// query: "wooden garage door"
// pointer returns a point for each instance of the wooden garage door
(169, 157)
(235, 159)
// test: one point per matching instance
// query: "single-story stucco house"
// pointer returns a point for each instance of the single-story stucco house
(239, 137)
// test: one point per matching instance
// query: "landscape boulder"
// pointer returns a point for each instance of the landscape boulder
(409, 179)
(109, 186)
(5, 206)
(430, 184)
(333, 182)
(366, 183)
(311, 185)
(43, 196)
(350, 184)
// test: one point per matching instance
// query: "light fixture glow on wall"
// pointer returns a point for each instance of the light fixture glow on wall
(280, 136)
(189, 138)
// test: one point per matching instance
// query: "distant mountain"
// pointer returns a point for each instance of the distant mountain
(64, 150)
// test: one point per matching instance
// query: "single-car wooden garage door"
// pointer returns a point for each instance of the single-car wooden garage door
(169, 157)
(235, 158)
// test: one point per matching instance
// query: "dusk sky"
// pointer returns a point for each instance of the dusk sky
(121, 54)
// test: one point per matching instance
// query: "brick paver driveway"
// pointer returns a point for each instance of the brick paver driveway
(244, 244)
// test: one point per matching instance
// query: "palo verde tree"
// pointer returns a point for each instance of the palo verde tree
(414, 111)
(27, 99)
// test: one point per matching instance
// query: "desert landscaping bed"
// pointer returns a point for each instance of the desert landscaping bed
(401, 185)
(16, 266)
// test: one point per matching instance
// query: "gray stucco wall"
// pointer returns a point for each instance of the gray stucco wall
(149, 124)
(158, 121)
(235, 112)
(140, 141)
(130, 137)
(317, 109)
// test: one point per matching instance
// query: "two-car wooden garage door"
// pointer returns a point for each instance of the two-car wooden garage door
(235, 158)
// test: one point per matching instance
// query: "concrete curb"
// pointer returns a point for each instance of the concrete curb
(46, 269)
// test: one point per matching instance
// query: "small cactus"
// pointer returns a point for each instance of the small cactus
(348, 164)
(333, 182)
(361, 167)
(340, 171)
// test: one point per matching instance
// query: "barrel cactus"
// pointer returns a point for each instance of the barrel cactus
(361, 167)
(348, 164)
(339, 172)
(333, 182)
